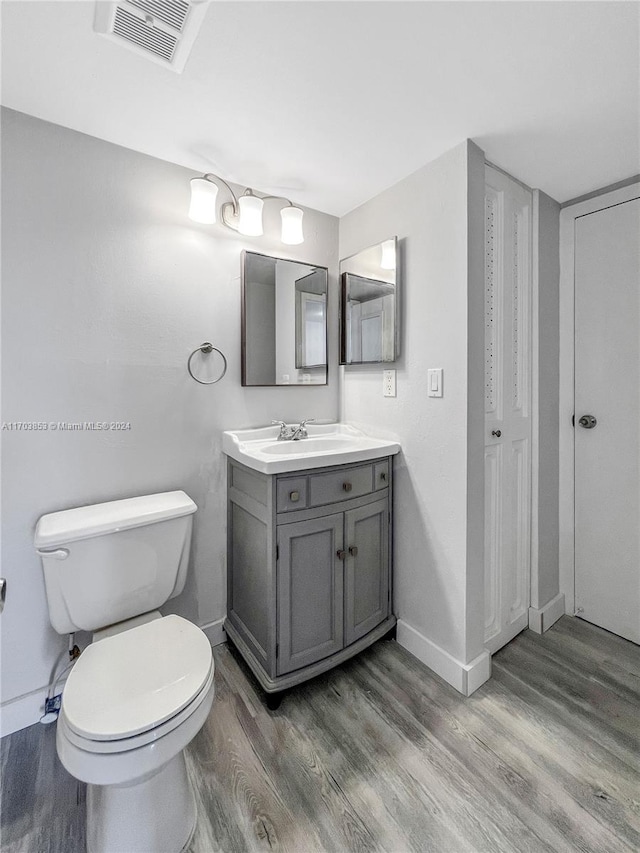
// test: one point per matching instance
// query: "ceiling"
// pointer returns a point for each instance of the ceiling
(331, 102)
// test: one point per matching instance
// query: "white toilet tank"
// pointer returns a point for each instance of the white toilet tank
(112, 561)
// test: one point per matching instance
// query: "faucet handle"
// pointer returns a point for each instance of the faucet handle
(301, 430)
(284, 429)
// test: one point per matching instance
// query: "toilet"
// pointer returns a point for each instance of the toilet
(143, 688)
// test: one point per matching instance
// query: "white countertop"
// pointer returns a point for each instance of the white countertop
(327, 444)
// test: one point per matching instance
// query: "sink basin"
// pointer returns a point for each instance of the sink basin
(327, 444)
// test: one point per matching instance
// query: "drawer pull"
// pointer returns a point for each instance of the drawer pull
(353, 550)
(346, 487)
(383, 477)
(341, 554)
(294, 497)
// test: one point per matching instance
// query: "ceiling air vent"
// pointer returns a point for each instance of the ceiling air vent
(161, 30)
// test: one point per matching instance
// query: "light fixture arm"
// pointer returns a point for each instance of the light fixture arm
(212, 177)
(282, 197)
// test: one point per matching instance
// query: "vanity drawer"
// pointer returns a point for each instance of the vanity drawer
(291, 494)
(381, 474)
(340, 485)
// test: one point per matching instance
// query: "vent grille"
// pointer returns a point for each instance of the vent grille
(172, 13)
(146, 36)
(162, 31)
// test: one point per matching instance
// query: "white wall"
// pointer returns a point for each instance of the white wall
(107, 287)
(437, 214)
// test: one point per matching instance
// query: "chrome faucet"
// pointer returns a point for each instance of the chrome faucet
(288, 433)
(301, 430)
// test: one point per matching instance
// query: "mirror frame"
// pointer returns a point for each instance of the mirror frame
(343, 306)
(243, 321)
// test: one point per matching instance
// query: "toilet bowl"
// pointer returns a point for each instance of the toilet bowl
(143, 688)
(132, 703)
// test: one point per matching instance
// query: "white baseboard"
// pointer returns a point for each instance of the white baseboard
(465, 677)
(215, 632)
(540, 620)
(23, 711)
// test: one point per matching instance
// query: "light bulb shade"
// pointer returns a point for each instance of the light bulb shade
(250, 218)
(388, 259)
(203, 201)
(292, 225)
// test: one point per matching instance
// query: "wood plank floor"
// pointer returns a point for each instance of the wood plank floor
(381, 755)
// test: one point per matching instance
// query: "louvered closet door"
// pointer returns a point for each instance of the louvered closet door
(507, 408)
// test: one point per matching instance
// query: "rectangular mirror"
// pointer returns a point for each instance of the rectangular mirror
(369, 305)
(284, 321)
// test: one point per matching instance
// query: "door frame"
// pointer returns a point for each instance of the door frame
(566, 438)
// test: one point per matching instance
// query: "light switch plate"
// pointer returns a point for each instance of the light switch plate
(389, 383)
(434, 382)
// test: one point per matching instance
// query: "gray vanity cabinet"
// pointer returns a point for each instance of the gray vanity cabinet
(309, 580)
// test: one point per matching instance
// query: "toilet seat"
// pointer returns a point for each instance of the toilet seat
(129, 743)
(134, 687)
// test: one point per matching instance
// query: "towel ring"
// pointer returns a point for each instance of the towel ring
(206, 348)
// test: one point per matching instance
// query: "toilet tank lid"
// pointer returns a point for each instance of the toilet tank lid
(69, 525)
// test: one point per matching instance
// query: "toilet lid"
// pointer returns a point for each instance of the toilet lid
(134, 681)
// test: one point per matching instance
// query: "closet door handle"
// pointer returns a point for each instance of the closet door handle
(353, 550)
(341, 554)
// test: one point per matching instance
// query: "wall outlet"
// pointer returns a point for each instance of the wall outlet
(389, 383)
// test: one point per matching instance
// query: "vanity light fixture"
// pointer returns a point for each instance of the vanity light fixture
(244, 213)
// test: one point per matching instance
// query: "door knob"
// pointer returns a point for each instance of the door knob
(353, 550)
(587, 421)
(341, 554)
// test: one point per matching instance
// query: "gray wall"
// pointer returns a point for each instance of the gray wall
(546, 234)
(107, 287)
(438, 489)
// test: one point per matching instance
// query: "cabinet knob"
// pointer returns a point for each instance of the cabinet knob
(294, 497)
(346, 487)
(341, 554)
(353, 550)
(383, 476)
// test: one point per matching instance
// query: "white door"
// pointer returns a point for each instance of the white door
(507, 408)
(607, 387)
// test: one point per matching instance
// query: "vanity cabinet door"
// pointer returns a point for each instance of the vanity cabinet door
(366, 569)
(310, 591)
